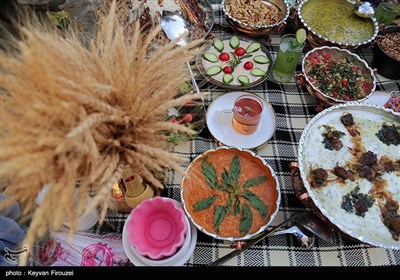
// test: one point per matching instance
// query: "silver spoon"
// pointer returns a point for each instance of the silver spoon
(175, 26)
(363, 9)
(304, 237)
(307, 219)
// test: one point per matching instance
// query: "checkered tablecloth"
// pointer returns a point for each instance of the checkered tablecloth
(294, 109)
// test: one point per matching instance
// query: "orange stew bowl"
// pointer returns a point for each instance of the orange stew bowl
(230, 193)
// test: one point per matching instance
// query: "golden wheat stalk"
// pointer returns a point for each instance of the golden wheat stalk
(72, 112)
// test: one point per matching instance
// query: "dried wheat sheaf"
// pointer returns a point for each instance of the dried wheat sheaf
(72, 112)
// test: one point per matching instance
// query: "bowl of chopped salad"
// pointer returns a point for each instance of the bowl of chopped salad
(336, 75)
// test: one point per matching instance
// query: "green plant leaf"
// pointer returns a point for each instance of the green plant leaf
(255, 181)
(219, 216)
(223, 188)
(235, 170)
(246, 220)
(226, 180)
(229, 205)
(209, 174)
(256, 202)
(204, 204)
(237, 206)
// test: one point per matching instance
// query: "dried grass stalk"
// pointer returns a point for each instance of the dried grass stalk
(72, 112)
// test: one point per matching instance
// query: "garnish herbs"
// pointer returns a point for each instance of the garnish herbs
(357, 202)
(230, 184)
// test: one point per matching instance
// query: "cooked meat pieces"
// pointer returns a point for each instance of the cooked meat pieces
(367, 173)
(389, 135)
(392, 205)
(318, 177)
(351, 175)
(369, 158)
(347, 119)
(394, 224)
(340, 172)
(361, 206)
(387, 164)
(336, 144)
(331, 138)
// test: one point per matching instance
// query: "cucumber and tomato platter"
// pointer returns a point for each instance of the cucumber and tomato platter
(235, 62)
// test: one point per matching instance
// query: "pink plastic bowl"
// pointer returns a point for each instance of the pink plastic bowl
(157, 227)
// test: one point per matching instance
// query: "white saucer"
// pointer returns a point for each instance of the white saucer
(377, 98)
(222, 129)
(132, 254)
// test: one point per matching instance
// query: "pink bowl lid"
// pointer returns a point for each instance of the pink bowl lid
(157, 227)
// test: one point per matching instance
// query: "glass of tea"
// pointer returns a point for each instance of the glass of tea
(247, 111)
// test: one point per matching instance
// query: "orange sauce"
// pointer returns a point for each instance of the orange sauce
(195, 188)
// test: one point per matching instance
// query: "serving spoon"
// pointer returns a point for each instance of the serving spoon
(363, 9)
(175, 26)
(308, 220)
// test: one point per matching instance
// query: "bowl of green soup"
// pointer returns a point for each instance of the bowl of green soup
(333, 23)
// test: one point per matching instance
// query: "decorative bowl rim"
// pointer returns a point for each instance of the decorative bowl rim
(257, 25)
(262, 228)
(371, 72)
(375, 22)
(153, 252)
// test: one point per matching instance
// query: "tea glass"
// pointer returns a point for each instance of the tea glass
(247, 111)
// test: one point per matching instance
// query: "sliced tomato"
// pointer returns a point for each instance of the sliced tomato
(187, 118)
(240, 51)
(227, 70)
(224, 56)
(248, 65)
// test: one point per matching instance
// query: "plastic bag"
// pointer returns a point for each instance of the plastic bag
(85, 249)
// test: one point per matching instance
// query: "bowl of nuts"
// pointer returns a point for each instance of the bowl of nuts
(386, 52)
(256, 18)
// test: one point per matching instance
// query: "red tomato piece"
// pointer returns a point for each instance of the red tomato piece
(240, 51)
(248, 65)
(227, 70)
(224, 56)
(187, 118)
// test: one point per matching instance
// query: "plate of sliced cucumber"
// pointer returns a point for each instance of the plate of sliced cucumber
(235, 62)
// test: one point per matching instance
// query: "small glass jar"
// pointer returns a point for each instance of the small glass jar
(394, 101)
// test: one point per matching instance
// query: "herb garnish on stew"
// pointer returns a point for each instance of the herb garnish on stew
(339, 78)
(230, 184)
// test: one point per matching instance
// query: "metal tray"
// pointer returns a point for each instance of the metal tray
(306, 194)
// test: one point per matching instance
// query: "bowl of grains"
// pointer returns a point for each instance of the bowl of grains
(387, 52)
(256, 18)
